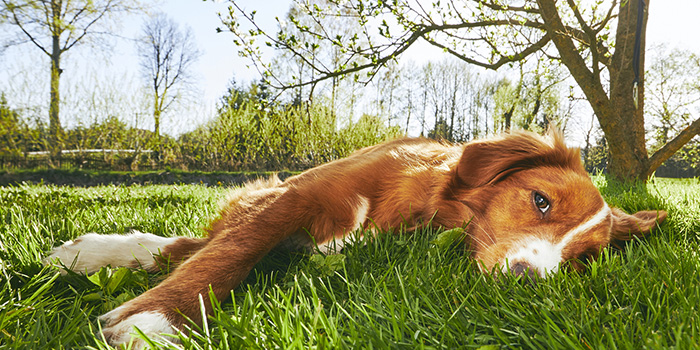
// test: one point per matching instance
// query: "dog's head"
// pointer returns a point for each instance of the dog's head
(535, 207)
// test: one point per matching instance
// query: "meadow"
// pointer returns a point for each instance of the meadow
(417, 291)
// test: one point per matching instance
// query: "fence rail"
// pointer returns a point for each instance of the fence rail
(117, 160)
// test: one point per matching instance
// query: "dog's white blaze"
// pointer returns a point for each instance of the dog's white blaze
(361, 211)
(92, 251)
(151, 323)
(541, 254)
(592, 222)
(544, 255)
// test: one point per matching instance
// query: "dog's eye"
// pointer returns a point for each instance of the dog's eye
(541, 203)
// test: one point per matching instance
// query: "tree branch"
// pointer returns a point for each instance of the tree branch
(600, 26)
(672, 146)
(572, 59)
(499, 7)
(67, 46)
(591, 39)
(539, 45)
(21, 27)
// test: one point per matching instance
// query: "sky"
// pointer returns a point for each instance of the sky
(673, 22)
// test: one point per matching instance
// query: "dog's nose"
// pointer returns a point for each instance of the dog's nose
(523, 269)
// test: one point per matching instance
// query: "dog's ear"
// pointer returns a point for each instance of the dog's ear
(626, 226)
(489, 161)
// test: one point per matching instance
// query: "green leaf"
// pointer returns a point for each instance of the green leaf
(123, 297)
(335, 262)
(448, 238)
(317, 260)
(97, 296)
(327, 265)
(488, 347)
(119, 278)
(100, 278)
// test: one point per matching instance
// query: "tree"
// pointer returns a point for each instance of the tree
(531, 103)
(167, 55)
(673, 91)
(55, 27)
(447, 91)
(602, 45)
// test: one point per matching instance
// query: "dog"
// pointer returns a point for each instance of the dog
(525, 202)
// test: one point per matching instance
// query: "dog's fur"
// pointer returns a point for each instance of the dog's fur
(525, 201)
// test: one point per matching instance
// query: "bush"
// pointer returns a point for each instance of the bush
(256, 137)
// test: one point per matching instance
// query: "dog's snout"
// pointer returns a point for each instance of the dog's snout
(524, 269)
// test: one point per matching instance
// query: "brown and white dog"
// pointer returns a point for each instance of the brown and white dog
(525, 201)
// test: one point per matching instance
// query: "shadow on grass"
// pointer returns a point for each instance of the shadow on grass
(89, 178)
(630, 196)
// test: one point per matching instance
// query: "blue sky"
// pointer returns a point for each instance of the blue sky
(671, 21)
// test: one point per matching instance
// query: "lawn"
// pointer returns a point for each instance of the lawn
(395, 291)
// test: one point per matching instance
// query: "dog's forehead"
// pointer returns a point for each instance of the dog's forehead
(562, 184)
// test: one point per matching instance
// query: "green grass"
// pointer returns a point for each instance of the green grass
(396, 291)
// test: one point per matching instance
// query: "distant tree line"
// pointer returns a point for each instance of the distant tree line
(250, 133)
(254, 132)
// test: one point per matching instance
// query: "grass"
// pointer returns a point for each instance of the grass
(396, 291)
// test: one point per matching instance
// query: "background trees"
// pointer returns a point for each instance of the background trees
(253, 133)
(167, 55)
(673, 89)
(55, 27)
(601, 44)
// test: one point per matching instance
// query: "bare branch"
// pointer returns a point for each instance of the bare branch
(673, 146)
(572, 59)
(539, 45)
(499, 7)
(20, 24)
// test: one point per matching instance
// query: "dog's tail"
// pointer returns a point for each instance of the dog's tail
(90, 252)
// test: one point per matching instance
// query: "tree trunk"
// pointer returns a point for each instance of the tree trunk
(535, 110)
(157, 146)
(54, 121)
(621, 121)
(624, 126)
(334, 85)
(410, 109)
(508, 116)
(453, 107)
(156, 120)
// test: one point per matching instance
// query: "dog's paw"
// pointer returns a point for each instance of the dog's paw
(81, 255)
(90, 252)
(119, 330)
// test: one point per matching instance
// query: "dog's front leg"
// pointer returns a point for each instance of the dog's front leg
(221, 265)
(239, 240)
